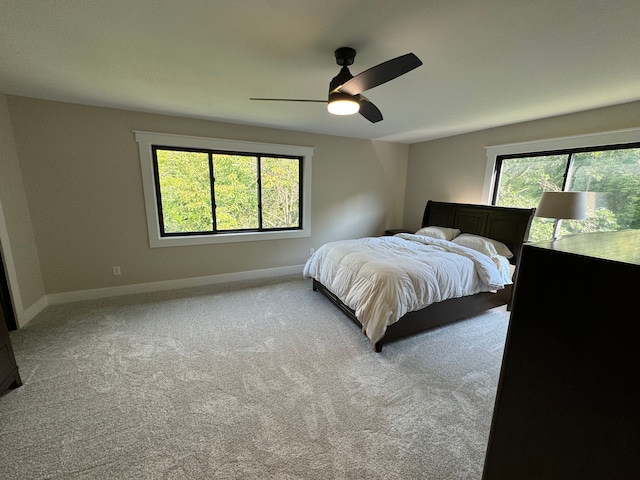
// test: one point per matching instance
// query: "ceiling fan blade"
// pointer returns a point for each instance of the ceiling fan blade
(289, 100)
(380, 74)
(369, 111)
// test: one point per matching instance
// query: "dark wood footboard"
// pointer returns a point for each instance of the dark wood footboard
(434, 315)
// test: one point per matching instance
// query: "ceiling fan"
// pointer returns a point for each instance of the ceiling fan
(345, 90)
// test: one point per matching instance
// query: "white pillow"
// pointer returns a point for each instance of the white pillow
(442, 233)
(488, 246)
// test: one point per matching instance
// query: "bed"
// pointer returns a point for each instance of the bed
(385, 284)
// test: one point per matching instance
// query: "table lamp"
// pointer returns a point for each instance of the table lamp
(562, 205)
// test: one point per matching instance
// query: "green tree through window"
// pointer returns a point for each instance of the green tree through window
(610, 175)
(236, 180)
(208, 192)
(183, 179)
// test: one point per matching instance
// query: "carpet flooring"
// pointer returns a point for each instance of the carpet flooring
(251, 380)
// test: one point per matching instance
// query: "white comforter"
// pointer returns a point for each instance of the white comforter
(383, 278)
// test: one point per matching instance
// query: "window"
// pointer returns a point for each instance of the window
(201, 190)
(610, 174)
(208, 192)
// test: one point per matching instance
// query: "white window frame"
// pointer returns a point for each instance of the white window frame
(147, 139)
(631, 135)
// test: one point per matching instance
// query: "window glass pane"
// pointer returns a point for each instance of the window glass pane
(280, 192)
(612, 178)
(185, 191)
(236, 191)
(522, 181)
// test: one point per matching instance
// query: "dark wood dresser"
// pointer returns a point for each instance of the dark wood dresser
(9, 377)
(568, 398)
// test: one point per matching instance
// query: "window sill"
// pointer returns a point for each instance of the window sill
(188, 240)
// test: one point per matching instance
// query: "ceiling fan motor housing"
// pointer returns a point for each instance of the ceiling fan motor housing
(345, 56)
(343, 76)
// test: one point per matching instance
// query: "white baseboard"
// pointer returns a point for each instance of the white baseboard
(80, 295)
(170, 284)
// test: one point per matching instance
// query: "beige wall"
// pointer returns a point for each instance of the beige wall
(81, 173)
(72, 202)
(453, 169)
(18, 244)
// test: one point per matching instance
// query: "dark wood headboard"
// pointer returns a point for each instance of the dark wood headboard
(505, 224)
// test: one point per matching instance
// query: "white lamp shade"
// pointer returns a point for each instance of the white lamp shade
(563, 205)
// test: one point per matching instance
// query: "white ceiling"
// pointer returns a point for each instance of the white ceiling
(486, 62)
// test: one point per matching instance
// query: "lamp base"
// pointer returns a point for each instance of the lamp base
(556, 229)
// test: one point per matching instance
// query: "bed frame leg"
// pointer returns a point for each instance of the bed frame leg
(377, 347)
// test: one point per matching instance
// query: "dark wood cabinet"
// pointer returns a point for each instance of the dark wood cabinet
(568, 398)
(9, 377)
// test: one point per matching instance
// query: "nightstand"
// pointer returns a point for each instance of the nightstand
(394, 232)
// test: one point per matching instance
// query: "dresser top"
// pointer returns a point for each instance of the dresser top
(622, 246)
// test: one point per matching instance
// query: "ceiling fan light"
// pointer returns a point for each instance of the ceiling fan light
(342, 104)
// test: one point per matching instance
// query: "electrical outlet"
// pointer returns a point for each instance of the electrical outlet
(116, 270)
(311, 250)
